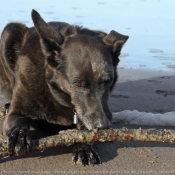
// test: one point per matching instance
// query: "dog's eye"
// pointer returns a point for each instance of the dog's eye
(78, 84)
(81, 84)
(104, 81)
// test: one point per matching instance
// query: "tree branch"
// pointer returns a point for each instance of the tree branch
(69, 137)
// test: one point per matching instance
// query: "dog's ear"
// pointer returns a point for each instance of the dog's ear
(116, 41)
(49, 38)
(11, 42)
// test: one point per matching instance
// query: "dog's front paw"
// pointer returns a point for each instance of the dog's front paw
(83, 154)
(19, 140)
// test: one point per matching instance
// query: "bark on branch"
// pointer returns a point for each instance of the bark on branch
(69, 137)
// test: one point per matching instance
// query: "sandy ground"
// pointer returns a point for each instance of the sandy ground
(149, 91)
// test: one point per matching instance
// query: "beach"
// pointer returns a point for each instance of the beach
(146, 82)
(135, 90)
(144, 90)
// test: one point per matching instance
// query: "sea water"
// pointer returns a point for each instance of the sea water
(150, 24)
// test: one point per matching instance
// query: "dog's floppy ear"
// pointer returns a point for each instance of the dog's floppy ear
(49, 38)
(116, 41)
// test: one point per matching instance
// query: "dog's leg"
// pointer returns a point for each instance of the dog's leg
(16, 128)
(83, 153)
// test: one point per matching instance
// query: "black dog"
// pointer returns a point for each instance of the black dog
(53, 70)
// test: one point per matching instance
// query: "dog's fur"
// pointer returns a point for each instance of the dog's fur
(53, 69)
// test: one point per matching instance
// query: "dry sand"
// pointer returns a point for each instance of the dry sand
(143, 90)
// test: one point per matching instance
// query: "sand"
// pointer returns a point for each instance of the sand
(143, 90)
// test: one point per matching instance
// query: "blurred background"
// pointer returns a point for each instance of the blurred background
(150, 25)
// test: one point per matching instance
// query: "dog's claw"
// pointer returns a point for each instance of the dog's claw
(93, 157)
(19, 140)
(75, 156)
(11, 139)
(83, 154)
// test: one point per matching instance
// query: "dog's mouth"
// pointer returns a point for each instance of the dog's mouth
(92, 121)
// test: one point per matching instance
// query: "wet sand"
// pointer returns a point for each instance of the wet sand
(143, 90)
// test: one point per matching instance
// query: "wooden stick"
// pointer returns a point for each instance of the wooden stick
(69, 137)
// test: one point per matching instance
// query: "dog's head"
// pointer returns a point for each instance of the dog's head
(81, 68)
